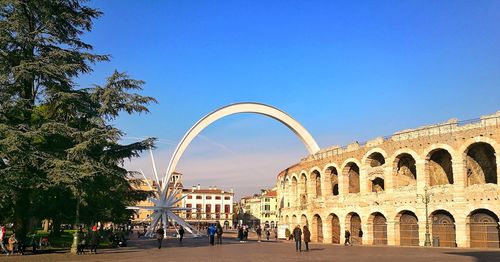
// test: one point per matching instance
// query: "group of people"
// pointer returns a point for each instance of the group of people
(160, 234)
(242, 233)
(297, 236)
(12, 242)
(347, 236)
(259, 233)
(214, 230)
(90, 239)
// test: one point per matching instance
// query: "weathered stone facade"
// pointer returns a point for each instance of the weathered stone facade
(378, 187)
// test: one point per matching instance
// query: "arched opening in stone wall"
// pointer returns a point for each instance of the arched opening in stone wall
(376, 159)
(294, 222)
(407, 228)
(481, 164)
(334, 179)
(443, 228)
(317, 229)
(378, 225)
(406, 170)
(377, 185)
(335, 228)
(439, 166)
(295, 191)
(353, 224)
(484, 231)
(287, 220)
(316, 177)
(303, 191)
(351, 171)
(304, 221)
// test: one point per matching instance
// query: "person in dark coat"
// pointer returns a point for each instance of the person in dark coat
(94, 240)
(360, 235)
(160, 235)
(297, 235)
(259, 233)
(181, 233)
(219, 231)
(307, 237)
(347, 236)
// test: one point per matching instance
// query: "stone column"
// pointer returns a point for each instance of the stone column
(392, 234)
(326, 186)
(422, 176)
(388, 178)
(327, 229)
(363, 180)
(460, 232)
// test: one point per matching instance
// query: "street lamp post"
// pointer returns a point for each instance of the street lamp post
(426, 199)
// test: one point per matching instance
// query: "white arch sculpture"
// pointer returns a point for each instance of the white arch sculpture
(237, 108)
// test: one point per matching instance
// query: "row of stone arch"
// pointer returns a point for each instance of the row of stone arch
(482, 225)
(442, 166)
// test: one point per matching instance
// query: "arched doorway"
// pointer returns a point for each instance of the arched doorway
(317, 229)
(334, 179)
(439, 165)
(443, 228)
(408, 229)
(405, 170)
(355, 228)
(295, 191)
(379, 224)
(484, 229)
(335, 226)
(316, 177)
(303, 221)
(480, 163)
(351, 171)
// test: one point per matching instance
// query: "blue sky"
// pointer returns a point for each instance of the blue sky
(347, 70)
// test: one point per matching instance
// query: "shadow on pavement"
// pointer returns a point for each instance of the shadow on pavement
(480, 256)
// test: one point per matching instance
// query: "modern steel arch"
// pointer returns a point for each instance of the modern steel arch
(237, 108)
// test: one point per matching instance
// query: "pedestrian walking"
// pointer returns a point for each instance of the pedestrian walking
(2, 235)
(160, 235)
(240, 233)
(12, 243)
(219, 232)
(297, 235)
(360, 235)
(268, 234)
(347, 236)
(181, 233)
(307, 237)
(259, 233)
(211, 233)
(94, 240)
(245, 233)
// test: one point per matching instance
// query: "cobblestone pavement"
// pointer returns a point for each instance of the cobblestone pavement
(141, 250)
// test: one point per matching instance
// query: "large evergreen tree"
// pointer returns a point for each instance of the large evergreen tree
(57, 141)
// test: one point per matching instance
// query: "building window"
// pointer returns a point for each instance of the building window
(198, 210)
(188, 212)
(198, 197)
(189, 197)
(208, 197)
(227, 198)
(217, 198)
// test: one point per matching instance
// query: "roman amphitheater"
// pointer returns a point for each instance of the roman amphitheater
(383, 190)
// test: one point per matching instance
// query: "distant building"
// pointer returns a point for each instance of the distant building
(260, 209)
(210, 205)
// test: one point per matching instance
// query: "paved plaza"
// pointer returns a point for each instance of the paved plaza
(141, 250)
